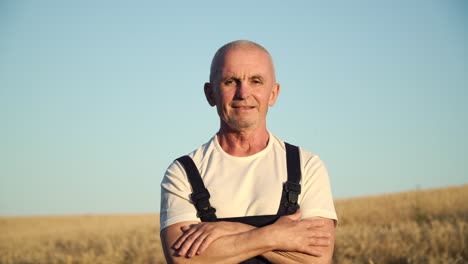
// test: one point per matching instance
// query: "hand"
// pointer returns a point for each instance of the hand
(198, 237)
(306, 236)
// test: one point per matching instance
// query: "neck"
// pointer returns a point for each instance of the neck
(243, 143)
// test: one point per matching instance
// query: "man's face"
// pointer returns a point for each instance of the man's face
(243, 89)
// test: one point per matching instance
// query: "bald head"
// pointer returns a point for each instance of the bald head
(218, 59)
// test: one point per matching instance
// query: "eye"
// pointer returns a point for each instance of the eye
(256, 81)
(229, 82)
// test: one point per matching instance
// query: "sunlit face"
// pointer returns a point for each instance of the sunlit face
(243, 89)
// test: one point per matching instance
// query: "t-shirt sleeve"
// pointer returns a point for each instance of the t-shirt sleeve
(176, 206)
(316, 196)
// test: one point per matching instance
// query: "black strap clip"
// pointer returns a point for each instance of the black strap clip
(292, 192)
(201, 200)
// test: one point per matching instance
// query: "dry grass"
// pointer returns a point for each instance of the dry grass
(415, 227)
(81, 239)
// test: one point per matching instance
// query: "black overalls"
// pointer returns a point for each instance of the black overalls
(289, 197)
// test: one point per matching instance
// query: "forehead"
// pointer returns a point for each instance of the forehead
(250, 61)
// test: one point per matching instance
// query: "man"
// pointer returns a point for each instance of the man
(249, 173)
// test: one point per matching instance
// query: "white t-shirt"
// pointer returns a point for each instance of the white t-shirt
(245, 186)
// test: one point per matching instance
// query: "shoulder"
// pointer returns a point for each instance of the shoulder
(311, 160)
(308, 158)
(175, 173)
(197, 155)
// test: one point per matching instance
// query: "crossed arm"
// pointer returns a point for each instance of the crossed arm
(288, 240)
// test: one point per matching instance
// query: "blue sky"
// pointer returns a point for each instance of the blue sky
(98, 97)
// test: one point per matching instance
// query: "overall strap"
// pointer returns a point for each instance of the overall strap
(200, 196)
(291, 188)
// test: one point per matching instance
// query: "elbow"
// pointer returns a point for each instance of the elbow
(177, 260)
(325, 258)
(173, 258)
(181, 260)
(315, 260)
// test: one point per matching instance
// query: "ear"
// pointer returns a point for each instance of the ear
(274, 94)
(209, 94)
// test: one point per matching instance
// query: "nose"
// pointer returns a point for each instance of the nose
(243, 90)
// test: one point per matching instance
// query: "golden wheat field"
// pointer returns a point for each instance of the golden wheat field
(429, 226)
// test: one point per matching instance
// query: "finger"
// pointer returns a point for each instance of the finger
(185, 228)
(187, 244)
(318, 233)
(180, 241)
(196, 244)
(314, 252)
(205, 244)
(310, 250)
(296, 216)
(317, 222)
(319, 242)
(298, 212)
(194, 249)
(184, 237)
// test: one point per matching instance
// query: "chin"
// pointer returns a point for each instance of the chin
(243, 124)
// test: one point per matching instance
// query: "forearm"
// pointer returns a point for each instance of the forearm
(277, 256)
(325, 256)
(233, 248)
(288, 240)
(284, 257)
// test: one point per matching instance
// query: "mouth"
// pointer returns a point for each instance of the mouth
(243, 107)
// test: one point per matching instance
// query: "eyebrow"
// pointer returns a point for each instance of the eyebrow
(234, 76)
(259, 76)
